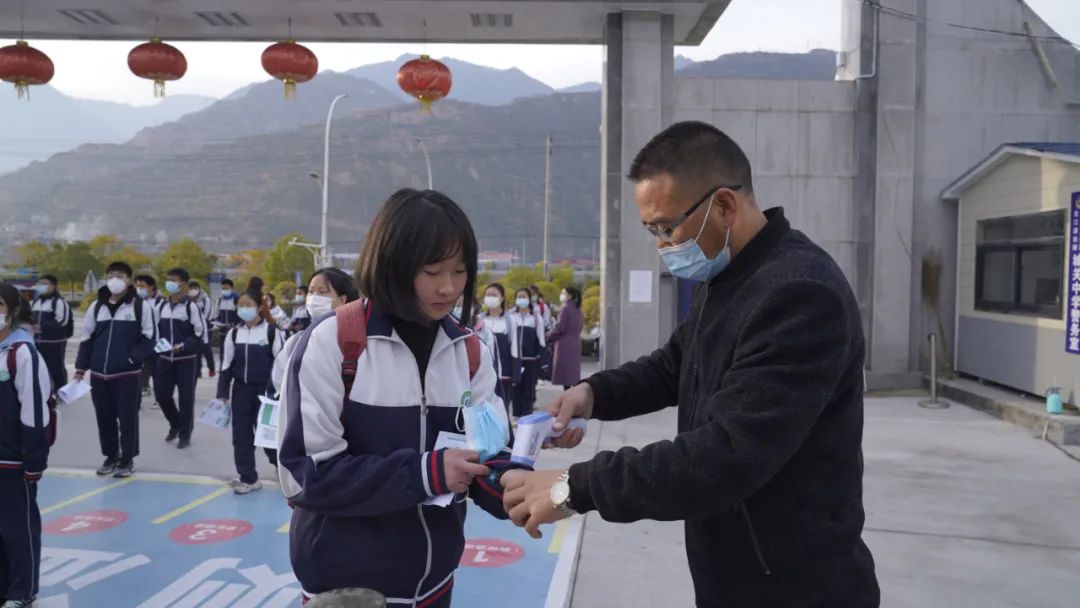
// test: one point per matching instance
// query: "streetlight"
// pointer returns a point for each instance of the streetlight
(427, 159)
(325, 252)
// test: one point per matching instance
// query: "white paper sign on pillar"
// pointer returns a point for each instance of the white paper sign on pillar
(641, 286)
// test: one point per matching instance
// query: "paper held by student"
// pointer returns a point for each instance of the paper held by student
(73, 391)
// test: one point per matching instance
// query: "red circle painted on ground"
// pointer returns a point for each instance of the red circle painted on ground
(86, 522)
(490, 553)
(209, 531)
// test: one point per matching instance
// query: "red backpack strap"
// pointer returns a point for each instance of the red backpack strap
(352, 321)
(472, 349)
(11, 361)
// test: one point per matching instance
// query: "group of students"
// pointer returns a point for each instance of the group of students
(369, 394)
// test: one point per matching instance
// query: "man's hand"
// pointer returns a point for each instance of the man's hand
(574, 403)
(461, 467)
(79, 375)
(527, 499)
(178, 348)
(37, 329)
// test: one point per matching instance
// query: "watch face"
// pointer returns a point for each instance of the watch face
(560, 492)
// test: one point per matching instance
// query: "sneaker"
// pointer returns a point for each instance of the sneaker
(107, 468)
(235, 481)
(146, 392)
(124, 469)
(155, 406)
(183, 443)
(172, 434)
(19, 603)
(247, 488)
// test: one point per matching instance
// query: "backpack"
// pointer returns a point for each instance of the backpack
(69, 327)
(52, 430)
(352, 321)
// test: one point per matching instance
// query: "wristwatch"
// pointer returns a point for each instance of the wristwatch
(560, 495)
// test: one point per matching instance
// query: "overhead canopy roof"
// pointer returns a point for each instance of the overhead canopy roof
(1063, 151)
(493, 21)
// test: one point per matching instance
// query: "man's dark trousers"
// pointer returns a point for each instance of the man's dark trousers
(178, 375)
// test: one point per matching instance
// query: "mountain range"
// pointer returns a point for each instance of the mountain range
(234, 173)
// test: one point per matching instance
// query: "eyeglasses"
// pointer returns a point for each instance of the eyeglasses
(665, 234)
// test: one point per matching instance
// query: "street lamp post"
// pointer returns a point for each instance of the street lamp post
(323, 243)
(427, 159)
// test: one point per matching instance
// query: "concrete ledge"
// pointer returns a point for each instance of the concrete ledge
(1011, 406)
(888, 381)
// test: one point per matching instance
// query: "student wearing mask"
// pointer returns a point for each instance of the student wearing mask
(301, 316)
(24, 450)
(146, 288)
(250, 349)
(328, 288)
(202, 300)
(118, 335)
(529, 333)
(225, 313)
(359, 463)
(280, 318)
(541, 305)
(52, 327)
(180, 323)
(500, 326)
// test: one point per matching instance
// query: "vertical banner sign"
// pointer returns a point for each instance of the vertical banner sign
(1072, 317)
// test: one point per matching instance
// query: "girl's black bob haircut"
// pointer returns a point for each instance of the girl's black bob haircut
(413, 229)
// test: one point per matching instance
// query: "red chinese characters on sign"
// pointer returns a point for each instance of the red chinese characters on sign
(209, 531)
(85, 523)
(490, 553)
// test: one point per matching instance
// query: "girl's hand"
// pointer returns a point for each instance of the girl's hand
(461, 467)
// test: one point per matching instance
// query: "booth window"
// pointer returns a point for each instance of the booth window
(1019, 263)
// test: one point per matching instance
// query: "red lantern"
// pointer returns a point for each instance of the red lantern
(291, 63)
(426, 79)
(157, 61)
(23, 65)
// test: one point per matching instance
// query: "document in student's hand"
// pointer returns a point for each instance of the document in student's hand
(447, 440)
(266, 429)
(162, 346)
(73, 391)
(217, 414)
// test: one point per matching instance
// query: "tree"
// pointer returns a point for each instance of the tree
(549, 290)
(70, 262)
(562, 276)
(34, 254)
(284, 261)
(254, 265)
(590, 311)
(109, 248)
(521, 276)
(186, 254)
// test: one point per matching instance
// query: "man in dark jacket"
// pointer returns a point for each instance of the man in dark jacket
(766, 468)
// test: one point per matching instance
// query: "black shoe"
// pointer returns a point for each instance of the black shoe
(124, 469)
(172, 434)
(108, 467)
(183, 443)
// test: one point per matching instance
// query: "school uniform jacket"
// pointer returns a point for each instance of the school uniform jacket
(357, 467)
(24, 413)
(51, 313)
(300, 317)
(113, 344)
(249, 356)
(529, 332)
(226, 310)
(204, 305)
(181, 324)
(505, 347)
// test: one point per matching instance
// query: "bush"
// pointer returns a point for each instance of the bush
(590, 310)
(592, 291)
(550, 291)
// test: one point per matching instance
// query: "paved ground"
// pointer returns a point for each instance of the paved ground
(962, 509)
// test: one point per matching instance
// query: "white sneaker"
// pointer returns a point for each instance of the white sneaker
(246, 488)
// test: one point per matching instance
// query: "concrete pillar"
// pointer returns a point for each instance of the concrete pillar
(638, 102)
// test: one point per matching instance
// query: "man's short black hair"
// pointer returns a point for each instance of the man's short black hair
(50, 279)
(228, 282)
(195, 284)
(146, 279)
(123, 267)
(697, 155)
(302, 288)
(179, 273)
(414, 228)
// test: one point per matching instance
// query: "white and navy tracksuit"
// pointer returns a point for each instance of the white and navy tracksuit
(207, 350)
(51, 314)
(357, 467)
(247, 365)
(24, 454)
(226, 317)
(505, 350)
(180, 324)
(116, 340)
(529, 331)
(300, 320)
(151, 361)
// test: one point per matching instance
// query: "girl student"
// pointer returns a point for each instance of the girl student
(504, 344)
(250, 349)
(529, 331)
(24, 449)
(372, 395)
(328, 288)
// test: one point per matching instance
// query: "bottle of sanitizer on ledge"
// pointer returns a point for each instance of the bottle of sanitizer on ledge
(1053, 399)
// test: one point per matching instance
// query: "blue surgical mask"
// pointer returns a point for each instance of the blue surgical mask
(172, 287)
(687, 261)
(522, 302)
(40, 289)
(485, 430)
(246, 313)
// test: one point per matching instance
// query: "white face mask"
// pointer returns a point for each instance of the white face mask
(300, 299)
(319, 305)
(492, 301)
(564, 298)
(116, 285)
(141, 291)
(193, 293)
(3, 320)
(226, 293)
(522, 302)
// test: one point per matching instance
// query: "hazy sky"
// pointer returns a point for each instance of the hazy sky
(98, 70)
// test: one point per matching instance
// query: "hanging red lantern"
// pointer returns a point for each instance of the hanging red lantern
(290, 63)
(426, 79)
(24, 66)
(157, 61)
